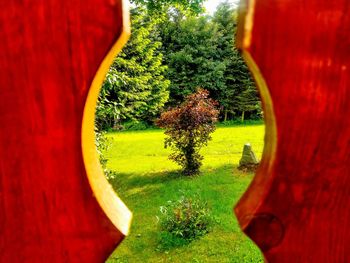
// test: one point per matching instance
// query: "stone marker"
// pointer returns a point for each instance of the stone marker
(248, 160)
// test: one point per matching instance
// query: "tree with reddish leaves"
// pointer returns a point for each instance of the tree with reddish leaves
(188, 128)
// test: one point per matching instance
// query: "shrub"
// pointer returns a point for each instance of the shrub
(102, 144)
(238, 122)
(184, 220)
(135, 125)
(188, 128)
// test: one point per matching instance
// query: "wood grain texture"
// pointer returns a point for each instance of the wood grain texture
(50, 51)
(297, 209)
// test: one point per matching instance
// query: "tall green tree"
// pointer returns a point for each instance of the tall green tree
(135, 86)
(193, 6)
(239, 94)
(200, 52)
(174, 48)
(190, 47)
(247, 101)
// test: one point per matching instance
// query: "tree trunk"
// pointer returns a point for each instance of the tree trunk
(191, 166)
(225, 118)
(242, 116)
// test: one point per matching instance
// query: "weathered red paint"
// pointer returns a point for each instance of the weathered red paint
(298, 207)
(49, 53)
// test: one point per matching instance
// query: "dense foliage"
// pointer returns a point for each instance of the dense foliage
(188, 128)
(186, 218)
(239, 94)
(194, 6)
(191, 51)
(174, 49)
(135, 86)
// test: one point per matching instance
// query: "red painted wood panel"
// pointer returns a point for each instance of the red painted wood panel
(298, 207)
(49, 53)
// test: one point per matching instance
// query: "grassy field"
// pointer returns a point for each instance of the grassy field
(146, 180)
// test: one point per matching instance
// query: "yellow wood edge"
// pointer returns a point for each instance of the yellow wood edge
(270, 144)
(110, 203)
(259, 186)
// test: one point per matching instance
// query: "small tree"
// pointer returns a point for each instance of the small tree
(188, 128)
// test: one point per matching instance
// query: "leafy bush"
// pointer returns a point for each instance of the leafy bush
(135, 125)
(102, 144)
(184, 220)
(188, 128)
(238, 122)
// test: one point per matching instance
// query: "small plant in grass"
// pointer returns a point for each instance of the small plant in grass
(184, 220)
(188, 128)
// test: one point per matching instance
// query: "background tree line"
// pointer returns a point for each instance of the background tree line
(174, 49)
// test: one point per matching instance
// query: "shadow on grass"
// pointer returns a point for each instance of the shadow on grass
(143, 184)
(212, 182)
(122, 182)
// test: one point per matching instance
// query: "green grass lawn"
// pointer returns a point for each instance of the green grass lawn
(146, 180)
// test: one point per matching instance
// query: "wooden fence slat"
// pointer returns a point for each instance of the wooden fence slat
(297, 209)
(50, 53)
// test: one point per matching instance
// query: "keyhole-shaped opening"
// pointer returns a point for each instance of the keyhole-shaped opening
(164, 62)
